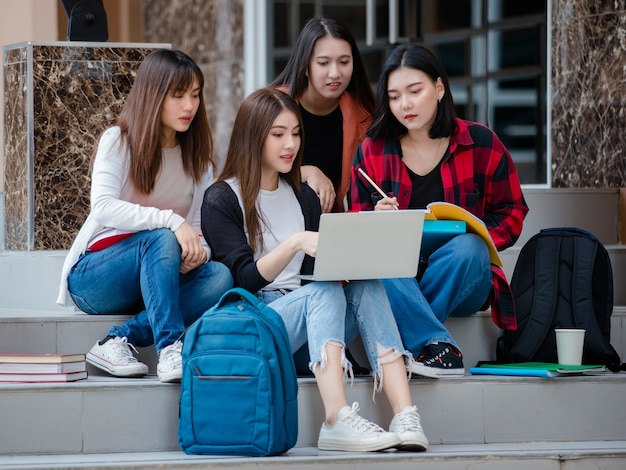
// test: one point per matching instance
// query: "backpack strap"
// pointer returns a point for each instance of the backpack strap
(585, 251)
(547, 253)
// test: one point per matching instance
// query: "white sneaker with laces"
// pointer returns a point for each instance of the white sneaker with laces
(115, 356)
(170, 367)
(352, 432)
(407, 426)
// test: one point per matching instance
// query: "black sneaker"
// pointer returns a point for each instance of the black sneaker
(437, 360)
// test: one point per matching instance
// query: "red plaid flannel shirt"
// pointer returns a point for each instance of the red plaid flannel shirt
(478, 175)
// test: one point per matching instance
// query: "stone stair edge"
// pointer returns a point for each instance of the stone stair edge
(99, 383)
(309, 456)
(8, 314)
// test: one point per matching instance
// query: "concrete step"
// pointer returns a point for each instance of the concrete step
(111, 415)
(594, 210)
(70, 331)
(30, 280)
(64, 330)
(583, 455)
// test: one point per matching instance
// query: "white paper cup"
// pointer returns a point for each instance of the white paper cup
(569, 345)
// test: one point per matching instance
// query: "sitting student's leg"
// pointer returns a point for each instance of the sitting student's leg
(417, 323)
(456, 282)
(137, 275)
(316, 313)
(201, 288)
(370, 312)
(161, 323)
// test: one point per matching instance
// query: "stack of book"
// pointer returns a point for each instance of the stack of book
(34, 367)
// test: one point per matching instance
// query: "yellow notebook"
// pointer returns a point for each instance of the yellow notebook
(447, 211)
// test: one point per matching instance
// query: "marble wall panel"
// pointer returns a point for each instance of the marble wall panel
(207, 30)
(223, 93)
(16, 170)
(211, 32)
(588, 97)
(73, 92)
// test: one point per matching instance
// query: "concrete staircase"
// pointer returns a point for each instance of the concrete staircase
(486, 422)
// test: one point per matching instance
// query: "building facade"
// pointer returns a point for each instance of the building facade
(546, 75)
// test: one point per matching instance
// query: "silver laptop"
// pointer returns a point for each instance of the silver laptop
(368, 245)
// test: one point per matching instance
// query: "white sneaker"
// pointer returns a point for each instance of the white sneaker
(406, 425)
(115, 356)
(170, 367)
(353, 433)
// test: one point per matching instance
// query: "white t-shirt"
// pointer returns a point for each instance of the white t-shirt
(281, 217)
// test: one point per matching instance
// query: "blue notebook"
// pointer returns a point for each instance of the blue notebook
(513, 372)
(536, 369)
(438, 232)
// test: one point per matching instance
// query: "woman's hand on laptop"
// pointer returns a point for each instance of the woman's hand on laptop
(273, 263)
(387, 204)
(306, 241)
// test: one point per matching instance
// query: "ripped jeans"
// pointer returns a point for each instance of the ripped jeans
(327, 312)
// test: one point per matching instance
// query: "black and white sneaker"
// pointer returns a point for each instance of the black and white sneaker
(438, 360)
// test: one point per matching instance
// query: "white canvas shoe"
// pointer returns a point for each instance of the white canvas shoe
(407, 426)
(352, 432)
(170, 367)
(115, 356)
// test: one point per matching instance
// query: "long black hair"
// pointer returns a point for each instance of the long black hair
(294, 75)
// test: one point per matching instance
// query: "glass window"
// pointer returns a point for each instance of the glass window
(495, 53)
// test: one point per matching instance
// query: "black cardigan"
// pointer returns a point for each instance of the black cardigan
(223, 229)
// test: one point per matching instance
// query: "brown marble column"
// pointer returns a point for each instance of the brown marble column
(58, 98)
(588, 134)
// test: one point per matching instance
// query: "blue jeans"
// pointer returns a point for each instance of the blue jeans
(140, 276)
(323, 312)
(456, 282)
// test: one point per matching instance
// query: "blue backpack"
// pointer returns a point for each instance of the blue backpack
(238, 394)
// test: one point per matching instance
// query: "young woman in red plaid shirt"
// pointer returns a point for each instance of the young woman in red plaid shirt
(419, 152)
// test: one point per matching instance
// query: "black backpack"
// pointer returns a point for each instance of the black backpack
(562, 279)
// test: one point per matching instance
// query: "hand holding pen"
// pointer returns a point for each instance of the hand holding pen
(387, 200)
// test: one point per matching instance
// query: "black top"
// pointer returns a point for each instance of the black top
(427, 188)
(323, 142)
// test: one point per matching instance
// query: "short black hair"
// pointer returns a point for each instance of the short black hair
(384, 124)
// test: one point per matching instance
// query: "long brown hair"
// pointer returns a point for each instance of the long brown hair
(163, 72)
(252, 125)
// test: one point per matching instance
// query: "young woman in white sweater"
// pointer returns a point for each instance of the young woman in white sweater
(141, 250)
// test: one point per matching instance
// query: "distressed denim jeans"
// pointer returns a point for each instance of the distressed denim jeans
(326, 311)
